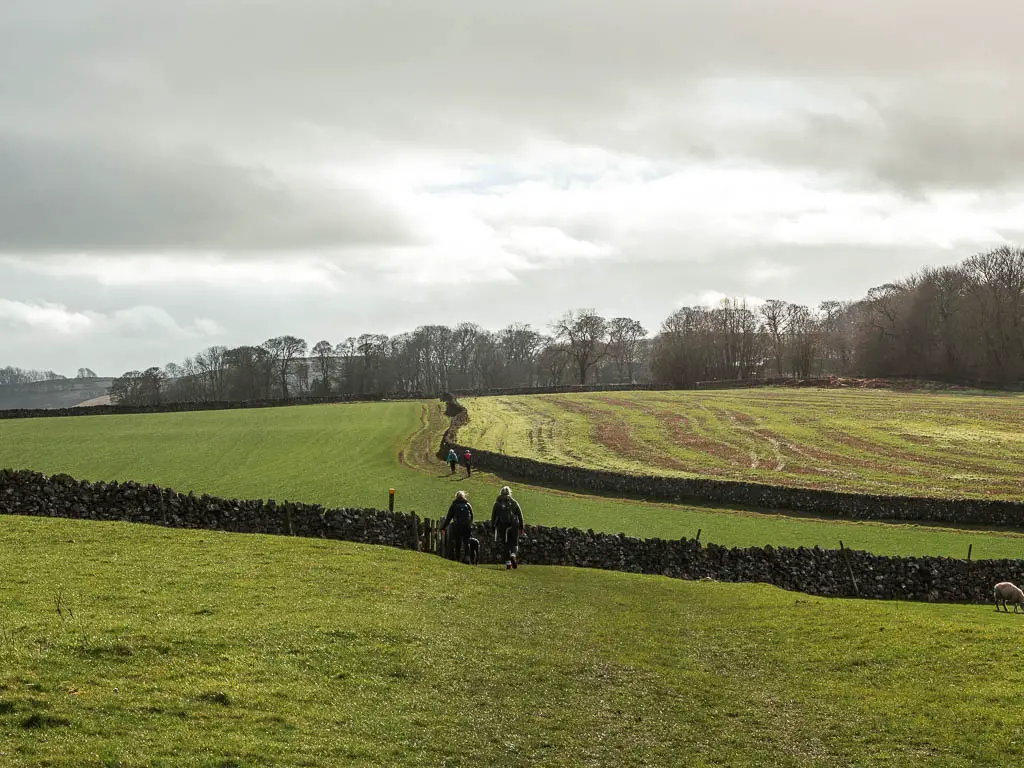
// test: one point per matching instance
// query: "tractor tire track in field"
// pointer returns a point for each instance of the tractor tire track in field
(740, 421)
(617, 438)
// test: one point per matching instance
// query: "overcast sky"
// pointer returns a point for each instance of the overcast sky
(181, 173)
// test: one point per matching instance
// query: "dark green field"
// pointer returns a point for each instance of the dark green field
(349, 455)
(195, 648)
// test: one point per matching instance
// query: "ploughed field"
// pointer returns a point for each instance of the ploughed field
(130, 645)
(350, 454)
(867, 441)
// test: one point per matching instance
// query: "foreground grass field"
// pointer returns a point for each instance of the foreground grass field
(193, 648)
(349, 455)
(874, 441)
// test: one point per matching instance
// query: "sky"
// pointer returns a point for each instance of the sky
(183, 173)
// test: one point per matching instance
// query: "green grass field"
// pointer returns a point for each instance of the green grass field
(874, 441)
(349, 455)
(196, 648)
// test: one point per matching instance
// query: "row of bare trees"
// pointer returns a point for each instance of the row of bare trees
(957, 323)
(581, 347)
(734, 341)
(12, 375)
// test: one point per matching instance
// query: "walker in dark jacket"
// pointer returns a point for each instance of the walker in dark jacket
(460, 515)
(507, 519)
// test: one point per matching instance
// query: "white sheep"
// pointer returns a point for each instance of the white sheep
(1006, 592)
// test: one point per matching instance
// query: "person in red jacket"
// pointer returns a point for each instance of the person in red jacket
(467, 458)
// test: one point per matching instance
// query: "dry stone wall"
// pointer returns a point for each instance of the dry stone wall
(833, 573)
(216, 405)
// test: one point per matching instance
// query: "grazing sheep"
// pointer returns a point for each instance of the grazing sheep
(1006, 592)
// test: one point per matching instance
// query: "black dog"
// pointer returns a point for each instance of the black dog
(474, 550)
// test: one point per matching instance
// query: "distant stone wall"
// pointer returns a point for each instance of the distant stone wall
(218, 405)
(832, 573)
(561, 389)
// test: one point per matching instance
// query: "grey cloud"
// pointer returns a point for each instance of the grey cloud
(486, 75)
(68, 195)
(952, 133)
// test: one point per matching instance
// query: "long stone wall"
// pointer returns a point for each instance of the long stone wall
(215, 405)
(833, 573)
(218, 405)
(561, 389)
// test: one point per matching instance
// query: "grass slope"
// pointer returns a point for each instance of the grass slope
(875, 441)
(194, 648)
(351, 454)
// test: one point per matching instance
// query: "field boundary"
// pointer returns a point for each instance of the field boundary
(373, 397)
(212, 405)
(684, 490)
(815, 571)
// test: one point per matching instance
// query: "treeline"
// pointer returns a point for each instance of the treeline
(12, 375)
(582, 346)
(962, 323)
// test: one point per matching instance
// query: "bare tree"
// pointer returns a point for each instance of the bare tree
(773, 315)
(323, 354)
(801, 339)
(625, 340)
(583, 333)
(519, 344)
(282, 350)
(553, 363)
(464, 345)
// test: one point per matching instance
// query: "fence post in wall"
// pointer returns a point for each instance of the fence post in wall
(415, 526)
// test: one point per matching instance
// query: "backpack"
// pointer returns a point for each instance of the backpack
(462, 512)
(468, 457)
(506, 514)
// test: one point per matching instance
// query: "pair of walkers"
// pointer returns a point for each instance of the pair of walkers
(453, 460)
(506, 519)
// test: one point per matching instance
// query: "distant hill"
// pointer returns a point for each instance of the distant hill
(58, 393)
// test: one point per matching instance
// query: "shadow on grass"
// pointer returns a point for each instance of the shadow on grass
(39, 720)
